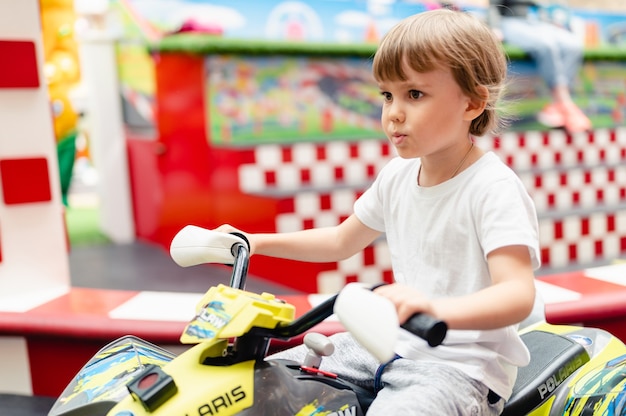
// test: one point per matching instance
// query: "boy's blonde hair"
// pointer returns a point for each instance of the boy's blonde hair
(452, 39)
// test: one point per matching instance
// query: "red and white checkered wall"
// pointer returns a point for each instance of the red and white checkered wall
(578, 183)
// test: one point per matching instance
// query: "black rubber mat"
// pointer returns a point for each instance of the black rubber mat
(146, 266)
(20, 405)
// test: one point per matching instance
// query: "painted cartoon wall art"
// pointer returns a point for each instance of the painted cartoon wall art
(280, 99)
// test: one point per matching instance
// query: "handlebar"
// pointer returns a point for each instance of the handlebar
(241, 253)
(432, 330)
(427, 327)
(195, 245)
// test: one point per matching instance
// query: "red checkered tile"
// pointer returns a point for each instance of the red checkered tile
(313, 166)
(575, 180)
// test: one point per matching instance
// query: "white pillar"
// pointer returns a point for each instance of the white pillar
(104, 120)
(34, 263)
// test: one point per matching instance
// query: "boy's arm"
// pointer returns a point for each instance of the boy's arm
(314, 245)
(509, 300)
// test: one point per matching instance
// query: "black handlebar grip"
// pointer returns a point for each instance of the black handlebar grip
(426, 327)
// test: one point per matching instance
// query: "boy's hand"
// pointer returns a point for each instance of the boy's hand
(408, 301)
(227, 228)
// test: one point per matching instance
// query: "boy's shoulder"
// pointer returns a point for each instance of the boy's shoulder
(491, 165)
(492, 175)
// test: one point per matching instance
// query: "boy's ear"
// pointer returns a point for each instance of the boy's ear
(476, 106)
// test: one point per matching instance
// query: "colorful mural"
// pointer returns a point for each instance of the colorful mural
(303, 20)
(347, 21)
(286, 99)
(259, 99)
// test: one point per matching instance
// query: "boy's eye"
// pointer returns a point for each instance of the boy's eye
(415, 94)
(386, 95)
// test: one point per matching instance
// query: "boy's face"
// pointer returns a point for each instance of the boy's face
(426, 114)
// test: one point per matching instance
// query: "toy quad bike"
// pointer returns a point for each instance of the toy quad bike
(573, 370)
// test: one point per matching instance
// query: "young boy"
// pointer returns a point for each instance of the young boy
(461, 229)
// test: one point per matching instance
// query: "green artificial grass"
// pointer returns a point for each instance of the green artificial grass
(198, 43)
(83, 226)
(211, 44)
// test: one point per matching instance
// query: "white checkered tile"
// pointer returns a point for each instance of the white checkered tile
(578, 183)
(329, 165)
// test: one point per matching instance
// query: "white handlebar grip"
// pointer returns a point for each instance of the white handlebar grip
(195, 245)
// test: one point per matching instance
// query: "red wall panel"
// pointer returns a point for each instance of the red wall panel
(19, 67)
(25, 180)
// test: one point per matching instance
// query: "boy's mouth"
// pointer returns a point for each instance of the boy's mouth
(397, 138)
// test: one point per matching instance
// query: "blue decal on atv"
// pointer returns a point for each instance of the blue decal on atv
(602, 388)
(621, 360)
(215, 305)
(581, 339)
(198, 331)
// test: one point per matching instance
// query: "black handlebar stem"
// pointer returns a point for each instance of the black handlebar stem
(300, 325)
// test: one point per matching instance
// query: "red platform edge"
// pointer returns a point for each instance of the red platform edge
(62, 334)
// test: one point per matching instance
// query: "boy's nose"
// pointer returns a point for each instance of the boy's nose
(396, 114)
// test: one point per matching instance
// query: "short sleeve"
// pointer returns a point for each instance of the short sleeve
(507, 216)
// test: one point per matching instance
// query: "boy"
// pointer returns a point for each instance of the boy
(461, 229)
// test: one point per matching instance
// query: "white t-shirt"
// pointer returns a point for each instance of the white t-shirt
(439, 238)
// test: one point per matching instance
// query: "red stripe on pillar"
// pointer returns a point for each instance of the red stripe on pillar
(25, 180)
(19, 68)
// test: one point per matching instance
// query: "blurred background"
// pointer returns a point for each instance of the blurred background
(223, 106)
(149, 115)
